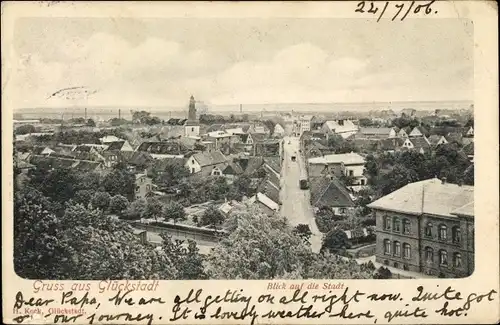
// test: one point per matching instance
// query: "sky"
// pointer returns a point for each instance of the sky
(162, 62)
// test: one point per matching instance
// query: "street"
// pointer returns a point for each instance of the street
(296, 205)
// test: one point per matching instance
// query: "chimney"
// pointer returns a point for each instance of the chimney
(119, 114)
(443, 180)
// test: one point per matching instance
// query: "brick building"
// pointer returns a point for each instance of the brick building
(427, 227)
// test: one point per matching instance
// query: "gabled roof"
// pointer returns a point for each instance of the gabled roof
(140, 158)
(258, 136)
(117, 145)
(274, 163)
(232, 169)
(420, 142)
(209, 158)
(215, 127)
(264, 199)
(430, 196)
(191, 123)
(454, 136)
(251, 164)
(270, 189)
(326, 192)
(469, 149)
(109, 138)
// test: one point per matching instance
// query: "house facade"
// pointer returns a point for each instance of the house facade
(376, 133)
(143, 185)
(348, 164)
(420, 144)
(427, 227)
(207, 163)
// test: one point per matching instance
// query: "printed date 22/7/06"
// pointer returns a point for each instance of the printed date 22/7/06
(395, 10)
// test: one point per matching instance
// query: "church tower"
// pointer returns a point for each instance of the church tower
(192, 109)
(192, 127)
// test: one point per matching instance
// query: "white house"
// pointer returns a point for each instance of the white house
(470, 132)
(417, 131)
(419, 144)
(402, 134)
(346, 164)
(344, 128)
(207, 163)
(279, 130)
(304, 123)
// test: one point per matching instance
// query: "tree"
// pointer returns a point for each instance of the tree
(117, 121)
(100, 200)
(266, 247)
(135, 210)
(83, 196)
(170, 173)
(188, 261)
(212, 217)
(88, 181)
(154, 209)
(174, 211)
(336, 241)
(119, 181)
(57, 184)
(118, 204)
(91, 122)
(468, 177)
(25, 129)
(303, 231)
(81, 243)
(258, 247)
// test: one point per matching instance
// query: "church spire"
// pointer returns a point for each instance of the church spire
(192, 109)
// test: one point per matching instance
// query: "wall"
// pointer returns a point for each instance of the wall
(143, 187)
(191, 130)
(411, 238)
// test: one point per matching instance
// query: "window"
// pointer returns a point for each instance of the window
(406, 251)
(457, 260)
(443, 257)
(137, 188)
(362, 182)
(351, 173)
(397, 224)
(387, 223)
(429, 254)
(148, 187)
(342, 210)
(192, 129)
(397, 248)
(456, 234)
(192, 170)
(387, 246)
(443, 232)
(428, 230)
(406, 226)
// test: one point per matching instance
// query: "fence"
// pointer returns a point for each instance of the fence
(196, 234)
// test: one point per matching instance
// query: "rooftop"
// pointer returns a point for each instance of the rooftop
(346, 158)
(430, 196)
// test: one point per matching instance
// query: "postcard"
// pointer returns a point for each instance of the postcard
(250, 162)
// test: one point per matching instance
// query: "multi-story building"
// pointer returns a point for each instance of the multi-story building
(427, 227)
(304, 123)
(346, 164)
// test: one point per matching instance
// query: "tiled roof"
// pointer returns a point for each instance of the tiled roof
(258, 136)
(140, 158)
(117, 145)
(251, 164)
(375, 131)
(209, 158)
(166, 147)
(274, 163)
(326, 192)
(420, 142)
(233, 169)
(346, 158)
(243, 137)
(429, 196)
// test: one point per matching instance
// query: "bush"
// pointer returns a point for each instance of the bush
(135, 210)
(383, 273)
(174, 211)
(324, 222)
(211, 217)
(336, 241)
(101, 200)
(118, 204)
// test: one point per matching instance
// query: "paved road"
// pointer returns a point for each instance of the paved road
(296, 205)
